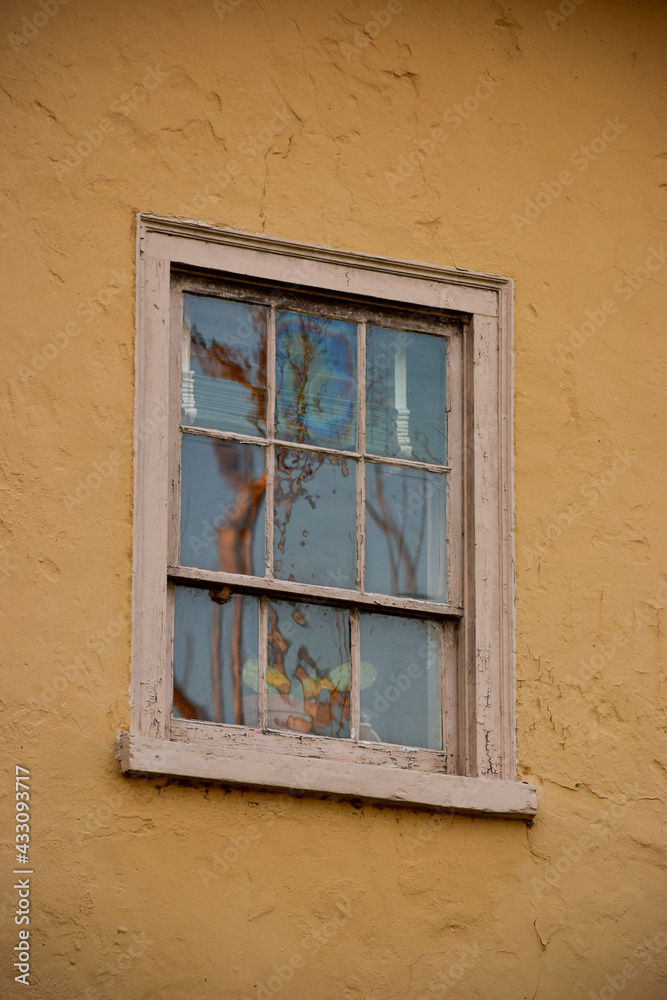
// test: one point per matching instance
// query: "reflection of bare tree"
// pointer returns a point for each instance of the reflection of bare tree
(234, 538)
(183, 705)
(294, 470)
(381, 412)
(244, 365)
(304, 354)
(403, 558)
(303, 345)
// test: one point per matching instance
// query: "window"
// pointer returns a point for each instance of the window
(323, 557)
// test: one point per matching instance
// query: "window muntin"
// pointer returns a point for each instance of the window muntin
(320, 471)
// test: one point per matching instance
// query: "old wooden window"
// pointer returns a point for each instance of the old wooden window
(323, 499)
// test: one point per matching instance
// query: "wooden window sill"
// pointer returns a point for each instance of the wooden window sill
(342, 779)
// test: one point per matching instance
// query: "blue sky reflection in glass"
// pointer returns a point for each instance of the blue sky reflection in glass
(401, 700)
(406, 529)
(316, 380)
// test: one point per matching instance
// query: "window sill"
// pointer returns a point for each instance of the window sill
(393, 785)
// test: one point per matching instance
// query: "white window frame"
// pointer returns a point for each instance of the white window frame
(485, 752)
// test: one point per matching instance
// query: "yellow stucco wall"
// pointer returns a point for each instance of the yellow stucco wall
(310, 117)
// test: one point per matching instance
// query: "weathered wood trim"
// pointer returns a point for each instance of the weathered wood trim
(290, 588)
(262, 658)
(308, 745)
(455, 481)
(355, 674)
(489, 600)
(261, 257)
(292, 298)
(213, 432)
(361, 448)
(480, 703)
(450, 695)
(486, 502)
(467, 662)
(406, 463)
(148, 699)
(507, 686)
(395, 785)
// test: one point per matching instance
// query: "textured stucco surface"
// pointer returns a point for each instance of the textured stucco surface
(132, 895)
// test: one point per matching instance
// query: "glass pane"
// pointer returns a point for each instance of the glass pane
(400, 681)
(222, 505)
(406, 395)
(405, 532)
(309, 675)
(224, 379)
(316, 380)
(314, 537)
(215, 656)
